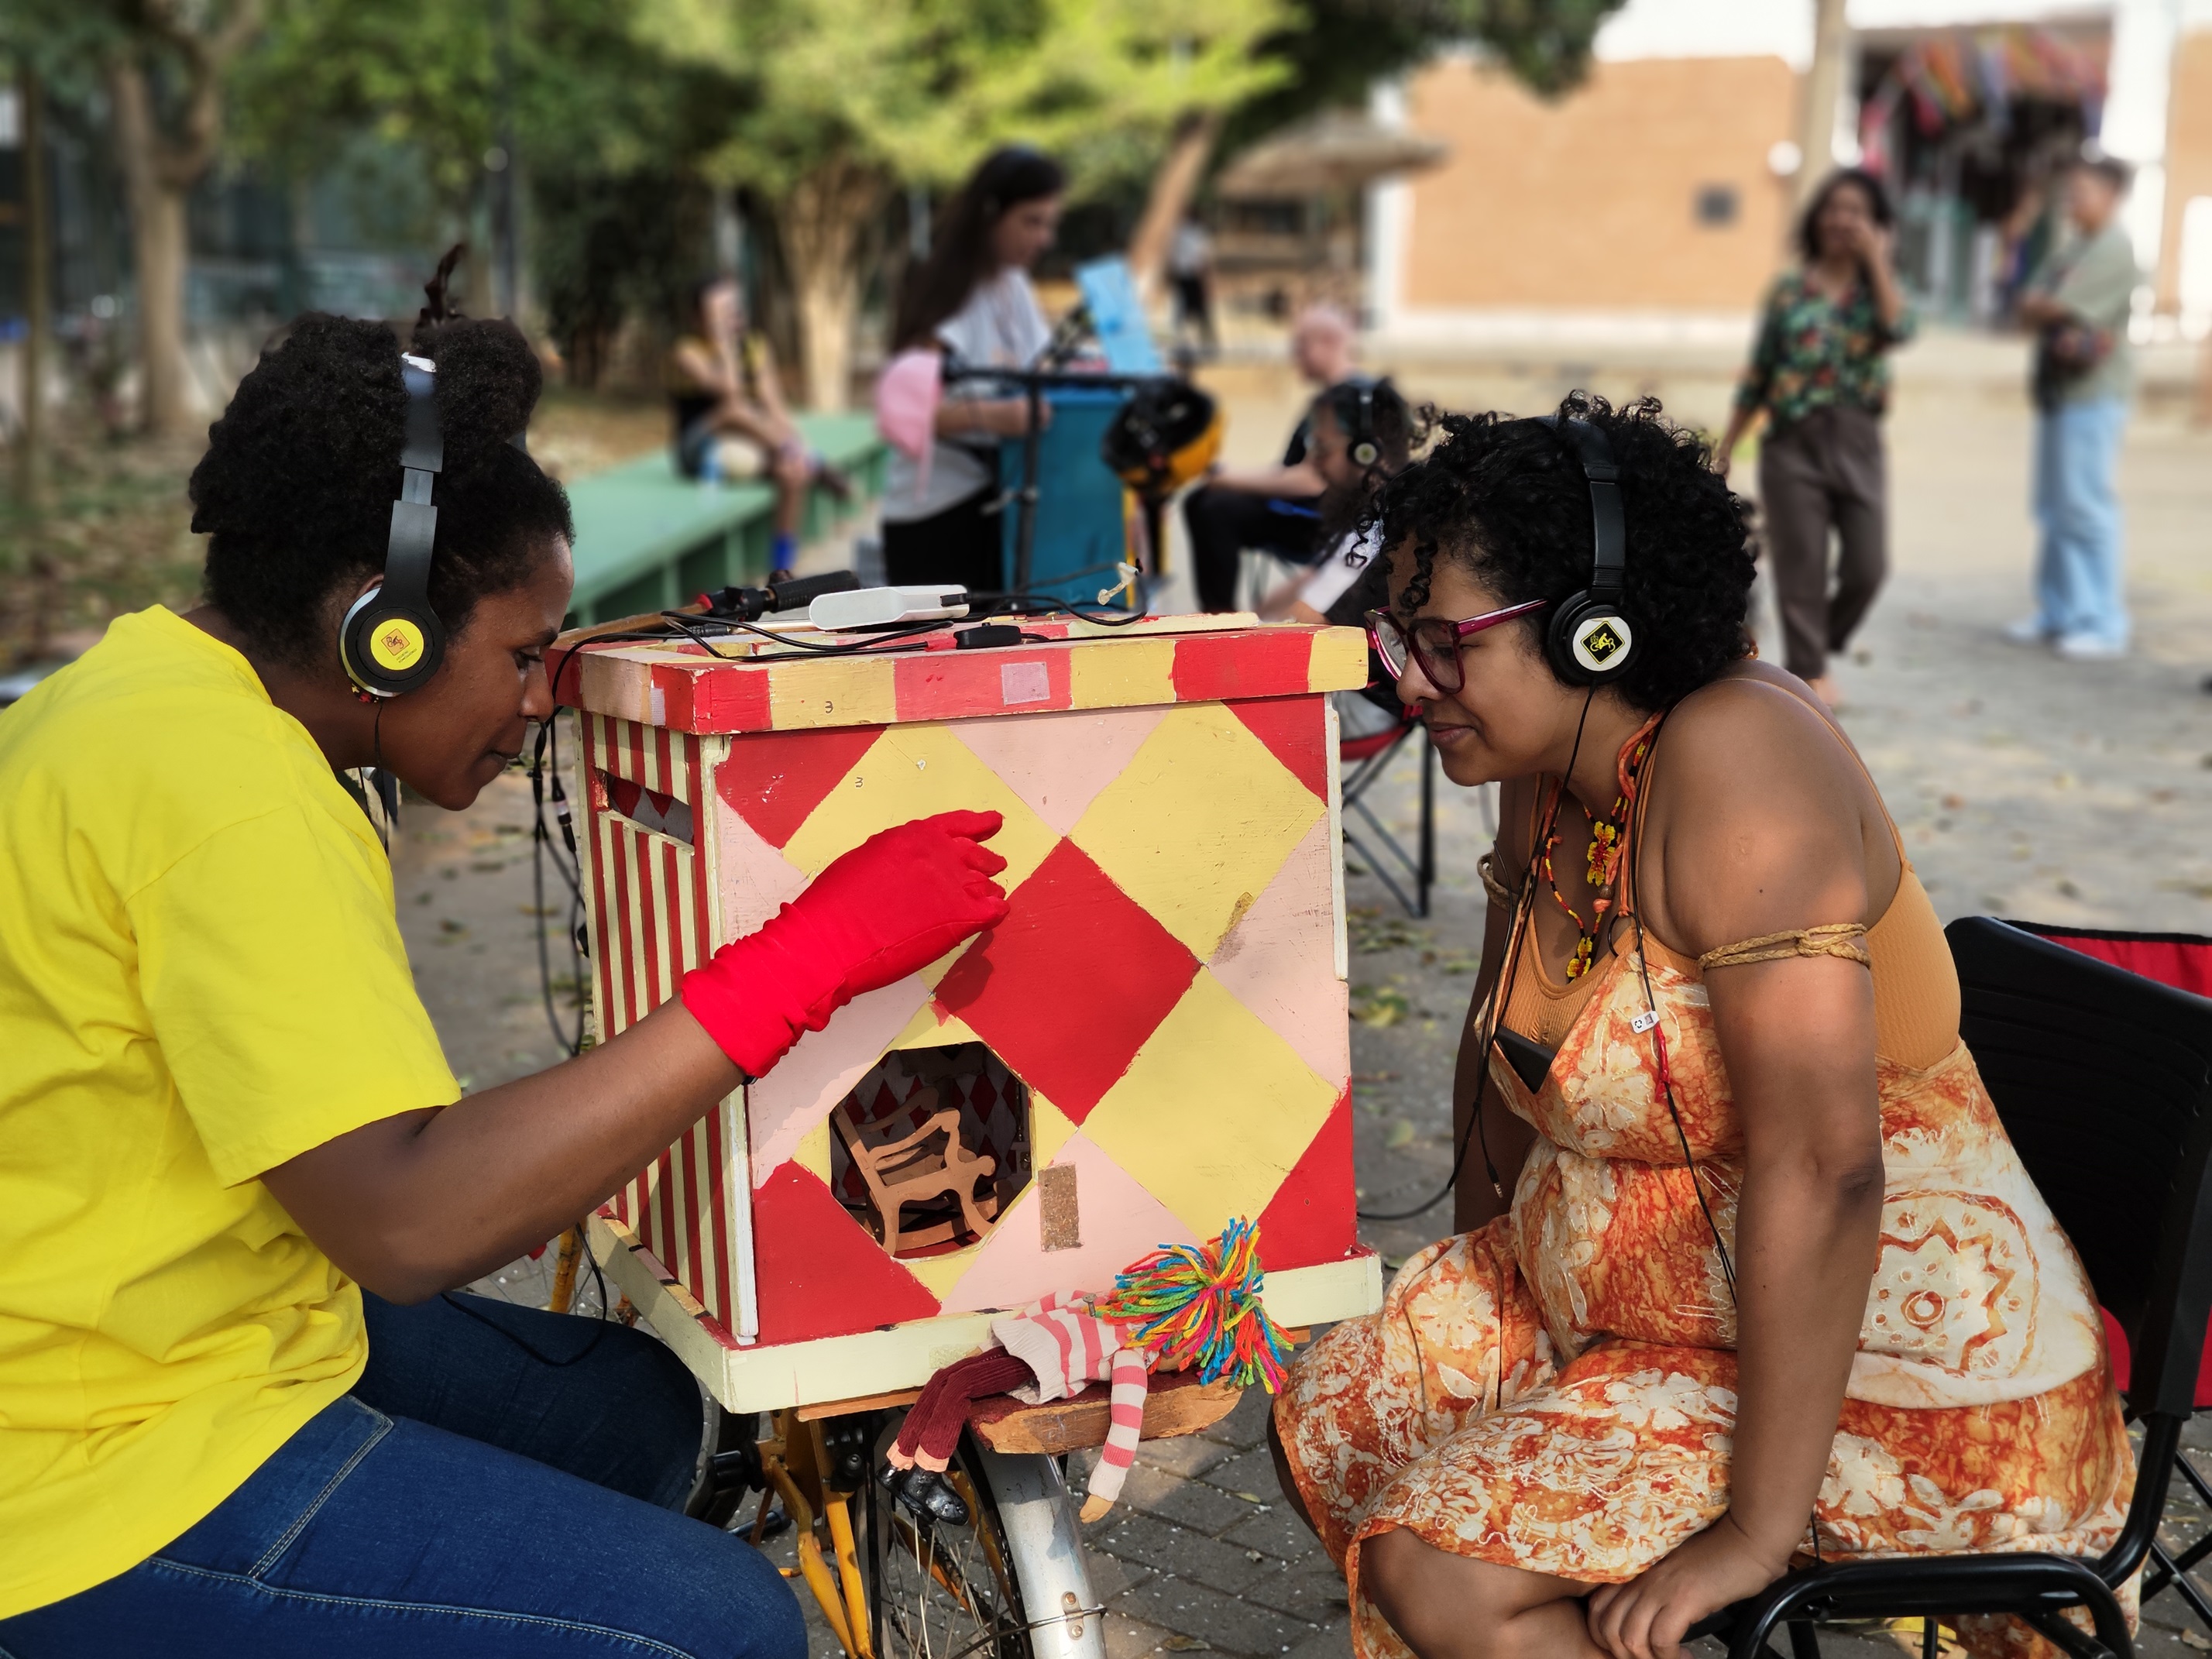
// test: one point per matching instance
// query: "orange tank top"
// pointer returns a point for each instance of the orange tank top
(1915, 987)
(1976, 1295)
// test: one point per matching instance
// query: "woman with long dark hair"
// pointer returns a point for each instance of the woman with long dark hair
(1820, 371)
(245, 1414)
(971, 300)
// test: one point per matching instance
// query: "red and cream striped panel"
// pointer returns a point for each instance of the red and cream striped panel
(653, 912)
(677, 685)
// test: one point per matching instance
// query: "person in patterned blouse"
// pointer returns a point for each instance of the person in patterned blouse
(1820, 368)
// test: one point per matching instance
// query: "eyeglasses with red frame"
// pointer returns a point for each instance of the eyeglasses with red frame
(1434, 643)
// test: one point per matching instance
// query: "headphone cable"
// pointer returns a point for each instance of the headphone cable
(1659, 1038)
(1501, 995)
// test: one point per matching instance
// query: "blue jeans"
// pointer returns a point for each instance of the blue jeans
(2079, 583)
(473, 1497)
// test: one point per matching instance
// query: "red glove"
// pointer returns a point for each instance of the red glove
(895, 903)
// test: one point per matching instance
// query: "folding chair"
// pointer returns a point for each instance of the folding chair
(2104, 1082)
(2185, 962)
(1364, 760)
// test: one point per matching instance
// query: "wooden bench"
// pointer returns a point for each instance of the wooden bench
(648, 538)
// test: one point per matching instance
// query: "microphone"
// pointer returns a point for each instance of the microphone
(751, 604)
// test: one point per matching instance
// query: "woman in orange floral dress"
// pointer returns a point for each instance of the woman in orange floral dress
(1751, 1269)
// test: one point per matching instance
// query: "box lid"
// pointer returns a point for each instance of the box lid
(762, 685)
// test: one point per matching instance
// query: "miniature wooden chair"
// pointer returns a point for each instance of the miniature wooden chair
(906, 1172)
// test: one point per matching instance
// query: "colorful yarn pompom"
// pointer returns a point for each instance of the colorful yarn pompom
(1188, 1305)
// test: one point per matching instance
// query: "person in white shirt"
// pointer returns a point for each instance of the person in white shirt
(1190, 274)
(971, 300)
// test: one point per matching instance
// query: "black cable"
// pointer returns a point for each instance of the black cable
(687, 624)
(544, 757)
(1043, 605)
(1667, 1082)
(531, 1348)
(1523, 913)
(699, 628)
(1659, 1038)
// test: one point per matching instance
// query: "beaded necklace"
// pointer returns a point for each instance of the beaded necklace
(1607, 835)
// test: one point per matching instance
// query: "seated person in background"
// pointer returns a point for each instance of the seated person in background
(1346, 581)
(722, 385)
(1273, 508)
(1628, 1391)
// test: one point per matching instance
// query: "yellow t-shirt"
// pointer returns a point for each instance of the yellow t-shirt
(201, 976)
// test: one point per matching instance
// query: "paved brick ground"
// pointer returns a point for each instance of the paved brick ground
(2024, 786)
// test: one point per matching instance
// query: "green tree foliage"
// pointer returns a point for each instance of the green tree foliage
(608, 132)
(1337, 49)
(851, 98)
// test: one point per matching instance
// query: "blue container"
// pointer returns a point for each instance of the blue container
(1079, 514)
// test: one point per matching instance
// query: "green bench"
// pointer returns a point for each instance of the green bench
(648, 538)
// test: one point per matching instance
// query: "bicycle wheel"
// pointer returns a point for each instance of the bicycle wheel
(1010, 1584)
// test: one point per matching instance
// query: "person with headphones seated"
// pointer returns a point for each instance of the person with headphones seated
(1273, 509)
(1746, 1270)
(240, 1411)
(1359, 433)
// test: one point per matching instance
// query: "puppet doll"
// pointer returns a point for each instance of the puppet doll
(1178, 1307)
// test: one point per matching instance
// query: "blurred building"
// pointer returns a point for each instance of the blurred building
(1659, 196)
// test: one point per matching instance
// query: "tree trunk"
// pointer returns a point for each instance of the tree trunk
(1173, 187)
(1823, 86)
(38, 269)
(157, 250)
(820, 224)
(160, 167)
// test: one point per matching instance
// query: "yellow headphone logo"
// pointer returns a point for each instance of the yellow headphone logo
(395, 645)
(1601, 643)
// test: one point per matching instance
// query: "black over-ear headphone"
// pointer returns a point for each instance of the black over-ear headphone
(1363, 449)
(1591, 640)
(391, 641)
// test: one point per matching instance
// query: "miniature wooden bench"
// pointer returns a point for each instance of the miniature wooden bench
(648, 538)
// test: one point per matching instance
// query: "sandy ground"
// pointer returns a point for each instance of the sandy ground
(2024, 787)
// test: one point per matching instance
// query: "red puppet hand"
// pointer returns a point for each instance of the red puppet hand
(892, 905)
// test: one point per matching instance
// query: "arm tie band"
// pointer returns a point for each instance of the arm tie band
(1835, 939)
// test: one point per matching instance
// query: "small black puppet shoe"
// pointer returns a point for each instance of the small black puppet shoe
(925, 1495)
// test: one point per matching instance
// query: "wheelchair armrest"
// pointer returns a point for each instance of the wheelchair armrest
(1901, 1586)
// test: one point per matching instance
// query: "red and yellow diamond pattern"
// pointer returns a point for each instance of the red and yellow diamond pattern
(1169, 985)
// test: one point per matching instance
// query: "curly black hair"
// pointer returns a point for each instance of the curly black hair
(1507, 499)
(295, 491)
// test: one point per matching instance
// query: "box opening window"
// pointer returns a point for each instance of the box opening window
(931, 1146)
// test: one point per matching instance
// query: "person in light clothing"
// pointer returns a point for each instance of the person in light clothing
(2078, 303)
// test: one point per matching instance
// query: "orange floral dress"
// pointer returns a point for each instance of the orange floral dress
(1556, 1392)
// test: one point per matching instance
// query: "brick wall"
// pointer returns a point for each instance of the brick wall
(1590, 202)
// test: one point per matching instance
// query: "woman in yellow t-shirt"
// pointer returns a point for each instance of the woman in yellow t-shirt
(236, 1176)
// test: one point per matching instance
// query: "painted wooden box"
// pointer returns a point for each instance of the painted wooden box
(1154, 1042)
